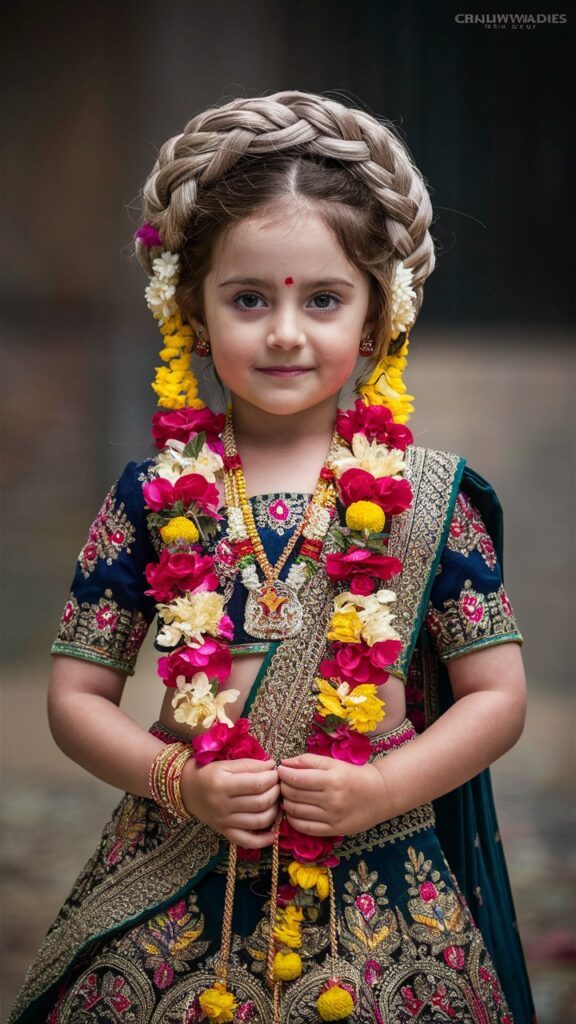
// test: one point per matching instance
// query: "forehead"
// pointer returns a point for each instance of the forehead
(283, 242)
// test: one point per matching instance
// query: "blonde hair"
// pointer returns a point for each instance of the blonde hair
(247, 155)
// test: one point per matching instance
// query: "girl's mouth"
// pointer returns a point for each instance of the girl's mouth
(283, 371)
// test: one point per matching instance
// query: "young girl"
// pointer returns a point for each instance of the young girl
(308, 831)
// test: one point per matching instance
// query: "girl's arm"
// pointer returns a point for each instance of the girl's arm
(233, 797)
(328, 797)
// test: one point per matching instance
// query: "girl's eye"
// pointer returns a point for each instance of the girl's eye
(250, 297)
(324, 301)
(322, 297)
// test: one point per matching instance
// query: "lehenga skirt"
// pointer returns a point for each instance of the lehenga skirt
(407, 946)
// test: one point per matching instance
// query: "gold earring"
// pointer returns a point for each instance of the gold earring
(201, 344)
(367, 345)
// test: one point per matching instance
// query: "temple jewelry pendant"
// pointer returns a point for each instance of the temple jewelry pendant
(273, 612)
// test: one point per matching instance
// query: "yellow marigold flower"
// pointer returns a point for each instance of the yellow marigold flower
(346, 626)
(365, 515)
(363, 708)
(335, 1003)
(287, 966)
(288, 930)
(179, 528)
(330, 703)
(218, 1004)
(168, 353)
(310, 876)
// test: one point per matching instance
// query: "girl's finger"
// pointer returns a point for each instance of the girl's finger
(304, 796)
(247, 783)
(303, 778)
(254, 822)
(307, 812)
(311, 828)
(249, 840)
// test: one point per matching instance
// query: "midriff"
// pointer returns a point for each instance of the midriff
(245, 669)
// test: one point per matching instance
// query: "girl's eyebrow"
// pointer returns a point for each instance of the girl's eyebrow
(257, 282)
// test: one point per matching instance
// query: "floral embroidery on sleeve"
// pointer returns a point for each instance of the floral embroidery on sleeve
(472, 620)
(468, 532)
(110, 533)
(101, 632)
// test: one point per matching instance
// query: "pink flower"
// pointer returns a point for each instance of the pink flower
(184, 424)
(68, 612)
(472, 608)
(362, 585)
(505, 602)
(149, 236)
(212, 657)
(158, 494)
(393, 496)
(286, 894)
(428, 891)
(361, 562)
(225, 553)
(376, 422)
(163, 976)
(191, 489)
(306, 848)
(366, 905)
(372, 972)
(106, 618)
(194, 489)
(411, 1002)
(180, 573)
(226, 627)
(220, 743)
(177, 911)
(342, 743)
(454, 957)
(359, 663)
(279, 510)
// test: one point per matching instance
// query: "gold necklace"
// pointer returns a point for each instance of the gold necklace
(273, 609)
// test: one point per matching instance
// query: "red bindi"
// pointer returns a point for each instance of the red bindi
(289, 280)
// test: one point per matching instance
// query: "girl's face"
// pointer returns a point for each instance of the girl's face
(285, 312)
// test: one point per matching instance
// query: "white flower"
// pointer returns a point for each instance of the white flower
(196, 704)
(377, 628)
(167, 267)
(160, 299)
(372, 456)
(172, 464)
(318, 523)
(236, 526)
(297, 576)
(402, 308)
(250, 577)
(191, 616)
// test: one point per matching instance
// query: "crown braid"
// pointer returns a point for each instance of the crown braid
(215, 140)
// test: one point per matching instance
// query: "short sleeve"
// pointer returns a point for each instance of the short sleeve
(107, 615)
(469, 608)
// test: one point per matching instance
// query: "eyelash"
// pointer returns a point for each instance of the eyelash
(321, 309)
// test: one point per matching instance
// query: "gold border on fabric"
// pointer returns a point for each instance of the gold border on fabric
(416, 536)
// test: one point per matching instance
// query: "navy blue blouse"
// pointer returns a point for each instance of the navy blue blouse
(107, 615)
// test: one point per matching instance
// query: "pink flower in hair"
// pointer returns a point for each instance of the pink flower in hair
(149, 236)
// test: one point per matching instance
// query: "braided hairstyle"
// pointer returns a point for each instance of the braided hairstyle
(248, 155)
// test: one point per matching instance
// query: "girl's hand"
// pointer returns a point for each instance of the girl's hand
(325, 797)
(239, 799)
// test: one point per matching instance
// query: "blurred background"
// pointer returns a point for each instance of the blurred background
(90, 92)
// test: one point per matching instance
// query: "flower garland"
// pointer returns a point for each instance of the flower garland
(366, 468)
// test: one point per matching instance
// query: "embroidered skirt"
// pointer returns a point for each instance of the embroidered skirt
(408, 948)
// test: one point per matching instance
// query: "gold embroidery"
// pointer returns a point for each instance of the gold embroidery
(468, 533)
(472, 620)
(103, 632)
(415, 538)
(109, 535)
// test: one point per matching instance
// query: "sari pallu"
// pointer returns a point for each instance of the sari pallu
(407, 942)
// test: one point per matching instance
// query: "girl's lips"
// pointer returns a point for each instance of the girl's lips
(284, 371)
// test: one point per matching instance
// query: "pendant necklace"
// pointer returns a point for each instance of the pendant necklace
(273, 609)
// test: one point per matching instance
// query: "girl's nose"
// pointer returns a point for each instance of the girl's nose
(286, 331)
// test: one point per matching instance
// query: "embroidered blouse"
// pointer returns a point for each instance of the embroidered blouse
(108, 613)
